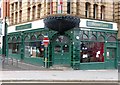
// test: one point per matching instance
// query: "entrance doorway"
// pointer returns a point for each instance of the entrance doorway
(61, 50)
(110, 57)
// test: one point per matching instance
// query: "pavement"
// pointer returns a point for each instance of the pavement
(19, 72)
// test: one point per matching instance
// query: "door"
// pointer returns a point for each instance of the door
(61, 50)
(110, 57)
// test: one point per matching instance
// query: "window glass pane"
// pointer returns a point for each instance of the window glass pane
(110, 53)
(101, 39)
(18, 39)
(92, 52)
(111, 39)
(33, 38)
(93, 38)
(27, 50)
(26, 38)
(57, 49)
(9, 40)
(39, 49)
(14, 40)
(85, 37)
(62, 39)
(34, 49)
(15, 48)
(10, 48)
(68, 7)
(40, 37)
(66, 48)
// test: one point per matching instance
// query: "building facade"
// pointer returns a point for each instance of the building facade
(81, 33)
(117, 18)
(4, 15)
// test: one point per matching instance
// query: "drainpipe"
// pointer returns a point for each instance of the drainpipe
(4, 50)
(118, 55)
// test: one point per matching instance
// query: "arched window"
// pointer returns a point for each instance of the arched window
(87, 9)
(102, 12)
(61, 39)
(12, 18)
(111, 39)
(39, 10)
(84, 37)
(95, 11)
(14, 39)
(26, 38)
(16, 17)
(93, 38)
(28, 14)
(51, 6)
(66, 48)
(40, 37)
(33, 38)
(68, 7)
(9, 45)
(18, 39)
(101, 39)
(60, 6)
(15, 46)
(57, 48)
(9, 39)
(20, 16)
(33, 12)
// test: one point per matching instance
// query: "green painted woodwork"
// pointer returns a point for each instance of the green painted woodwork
(76, 49)
(15, 56)
(73, 56)
(111, 44)
(110, 57)
(34, 61)
(25, 26)
(99, 24)
(118, 59)
(61, 57)
(92, 65)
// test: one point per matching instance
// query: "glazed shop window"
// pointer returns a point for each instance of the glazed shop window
(92, 52)
(10, 48)
(15, 48)
(34, 49)
(57, 48)
(13, 45)
(66, 48)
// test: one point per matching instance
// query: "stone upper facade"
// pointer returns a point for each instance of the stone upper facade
(29, 10)
(117, 15)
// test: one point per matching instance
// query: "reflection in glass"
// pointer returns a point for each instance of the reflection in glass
(101, 39)
(92, 52)
(62, 39)
(34, 49)
(110, 53)
(57, 49)
(66, 48)
(111, 39)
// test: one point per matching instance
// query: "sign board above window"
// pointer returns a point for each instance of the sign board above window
(99, 24)
(25, 26)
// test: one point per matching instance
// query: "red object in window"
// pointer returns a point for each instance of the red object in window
(51, 6)
(61, 2)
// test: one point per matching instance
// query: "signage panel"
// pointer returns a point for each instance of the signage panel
(99, 24)
(25, 26)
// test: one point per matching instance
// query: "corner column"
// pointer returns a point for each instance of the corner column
(76, 49)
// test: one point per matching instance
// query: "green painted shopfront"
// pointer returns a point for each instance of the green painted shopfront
(73, 42)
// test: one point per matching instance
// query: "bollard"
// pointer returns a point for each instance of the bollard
(45, 62)
(3, 60)
(11, 61)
